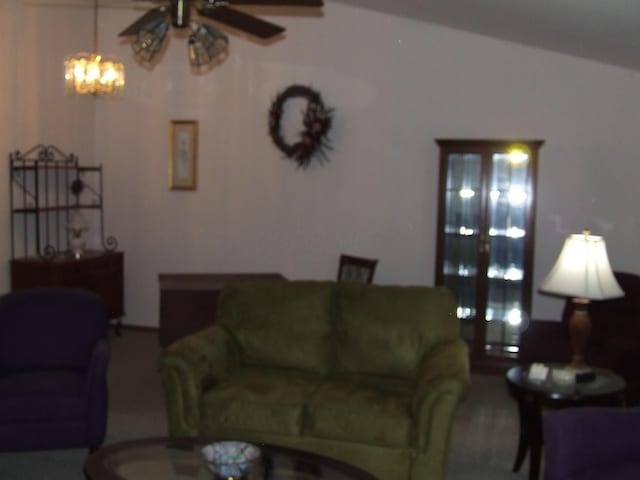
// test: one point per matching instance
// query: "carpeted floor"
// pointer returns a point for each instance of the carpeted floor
(483, 445)
(485, 433)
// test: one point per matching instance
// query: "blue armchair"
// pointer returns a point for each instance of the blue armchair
(53, 361)
(592, 443)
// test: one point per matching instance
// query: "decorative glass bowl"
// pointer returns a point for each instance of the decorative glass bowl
(230, 459)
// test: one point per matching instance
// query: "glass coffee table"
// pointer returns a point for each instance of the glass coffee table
(163, 458)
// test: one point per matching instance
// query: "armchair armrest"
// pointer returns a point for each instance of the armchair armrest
(188, 368)
(443, 379)
(97, 393)
(592, 443)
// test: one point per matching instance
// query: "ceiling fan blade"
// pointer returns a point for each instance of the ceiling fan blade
(242, 21)
(291, 3)
(149, 17)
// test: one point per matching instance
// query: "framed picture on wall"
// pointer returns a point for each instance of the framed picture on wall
(356, 269)
(183, 154)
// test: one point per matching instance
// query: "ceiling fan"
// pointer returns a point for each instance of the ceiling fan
(205, 41)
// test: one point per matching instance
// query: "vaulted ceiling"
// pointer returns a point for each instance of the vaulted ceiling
(607, 31)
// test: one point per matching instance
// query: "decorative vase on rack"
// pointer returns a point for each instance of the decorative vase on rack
(75, 227)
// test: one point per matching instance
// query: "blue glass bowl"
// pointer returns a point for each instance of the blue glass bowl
(230, 459)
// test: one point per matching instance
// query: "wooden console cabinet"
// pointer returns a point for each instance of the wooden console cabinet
(188, 301)
(101, 272)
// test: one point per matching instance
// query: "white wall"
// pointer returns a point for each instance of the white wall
(33, 109)
(396, 85)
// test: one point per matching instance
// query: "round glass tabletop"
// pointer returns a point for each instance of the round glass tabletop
(178, 459)
(604, 383)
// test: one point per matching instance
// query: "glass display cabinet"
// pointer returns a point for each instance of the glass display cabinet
(485, 239)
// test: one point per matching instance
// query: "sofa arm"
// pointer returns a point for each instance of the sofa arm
(188, 368)
(443, 379)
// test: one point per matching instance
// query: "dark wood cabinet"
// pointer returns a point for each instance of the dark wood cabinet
(188, 301)
(101, 272)
(486, 221)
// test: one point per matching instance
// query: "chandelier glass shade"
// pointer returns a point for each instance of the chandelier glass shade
(93, 73)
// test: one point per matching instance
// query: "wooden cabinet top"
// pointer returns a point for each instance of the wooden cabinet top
(211, 281)
(63, 258)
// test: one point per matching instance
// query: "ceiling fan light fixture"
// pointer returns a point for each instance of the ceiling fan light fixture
(180, 13)
(205, 44)
(150, 39)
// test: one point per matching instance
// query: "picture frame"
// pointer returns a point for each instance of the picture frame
(356, 269)
(183, 154)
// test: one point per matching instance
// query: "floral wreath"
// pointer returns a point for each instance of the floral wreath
(316, 120)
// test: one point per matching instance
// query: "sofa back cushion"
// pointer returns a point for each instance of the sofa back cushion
(385, 330)
(280, 324)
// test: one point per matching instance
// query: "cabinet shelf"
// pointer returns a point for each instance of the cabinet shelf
(505, 280)
(59, 208)
(491, 279)
(48, 166)
(47, 187)
(512, 233)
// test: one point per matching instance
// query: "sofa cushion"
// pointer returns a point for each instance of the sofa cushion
(385, 330)
(355, 413)
(262, 400)
(43, 395)
(280, 324)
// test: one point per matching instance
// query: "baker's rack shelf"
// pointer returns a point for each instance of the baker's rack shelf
(46, 187)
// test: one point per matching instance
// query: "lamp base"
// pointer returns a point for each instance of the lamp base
(579, 329)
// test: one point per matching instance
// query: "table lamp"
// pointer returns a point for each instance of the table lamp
(582, 272)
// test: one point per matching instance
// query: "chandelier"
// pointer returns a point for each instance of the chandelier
(93, 74)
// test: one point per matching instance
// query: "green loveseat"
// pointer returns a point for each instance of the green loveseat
(370, 375)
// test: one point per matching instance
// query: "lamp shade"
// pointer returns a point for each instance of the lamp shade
(583, 270)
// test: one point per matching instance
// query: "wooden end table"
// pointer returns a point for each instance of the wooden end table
(607, 389)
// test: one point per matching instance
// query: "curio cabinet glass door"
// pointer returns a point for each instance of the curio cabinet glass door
(485, 240)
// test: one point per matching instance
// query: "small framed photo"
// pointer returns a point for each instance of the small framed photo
(356, 269)
(183, 155)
